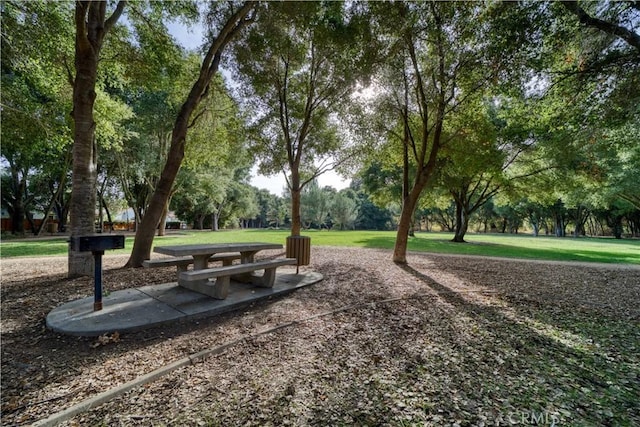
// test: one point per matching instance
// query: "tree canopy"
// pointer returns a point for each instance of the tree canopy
(491, 115)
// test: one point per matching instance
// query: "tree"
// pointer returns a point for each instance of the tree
(314, 205)
(277, 214)
(241, 204)
(344, 209)
(536, 214)
(588, 92)
(606, 70)
(215, 155)
(139, 162)
(198, 194)
(621, 166)
(380, 176)
(265, 201)
(617, 28)
(434, 67)
(231, 25)
(489, 152)
(92, 25)
(511, 216)
(471, 164)
(369, 216)
(37, 39)
(300, 62)
(445, 216)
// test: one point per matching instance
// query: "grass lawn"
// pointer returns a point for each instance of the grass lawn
(584, 249)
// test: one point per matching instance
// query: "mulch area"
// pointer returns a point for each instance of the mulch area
(445, 340)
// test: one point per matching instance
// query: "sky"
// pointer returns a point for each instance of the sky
(191, 38)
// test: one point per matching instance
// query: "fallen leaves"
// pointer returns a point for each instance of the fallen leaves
(459, 341)
(106, 339)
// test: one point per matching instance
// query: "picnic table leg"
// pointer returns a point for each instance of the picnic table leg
(200, 262)
(221, 287)
(218, 290)
(267, 279)
(245, 258)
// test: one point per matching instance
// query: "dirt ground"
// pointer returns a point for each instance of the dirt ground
(444, 340)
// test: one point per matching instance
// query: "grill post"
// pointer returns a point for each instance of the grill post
(97, 244)
(97, 280)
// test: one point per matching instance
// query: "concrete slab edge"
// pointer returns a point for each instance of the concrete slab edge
(74, 330)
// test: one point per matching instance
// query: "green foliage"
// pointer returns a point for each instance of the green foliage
(583, 86)
(272, 209)
(344, 209)
(299, 63)
(37, 44)
(111, 116)
(213, 179)
(36, 96)
(538, 103)
(315, 204)
(617, 162)
(382, 180)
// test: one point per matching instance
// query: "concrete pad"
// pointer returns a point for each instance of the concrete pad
(135, 309)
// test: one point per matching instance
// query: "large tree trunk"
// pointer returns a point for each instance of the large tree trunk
(215, 219)
(402, 235)
(409, 205)
(146, 231)
(462, 223)
(425, 148)
(83, 195)
(18, 213)
(85, 156)
(163, 220)
(410, 201)
(296, 194)
(536, 227)
(91, 27)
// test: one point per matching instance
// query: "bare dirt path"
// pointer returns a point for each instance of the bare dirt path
(465, 339)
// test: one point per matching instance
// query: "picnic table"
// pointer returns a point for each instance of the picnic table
(198, 278)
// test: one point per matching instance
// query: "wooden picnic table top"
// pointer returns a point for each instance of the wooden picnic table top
(214, 248)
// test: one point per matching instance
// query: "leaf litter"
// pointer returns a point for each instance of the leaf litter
(445, 340)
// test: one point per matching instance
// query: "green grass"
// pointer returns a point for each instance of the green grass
(584, 249)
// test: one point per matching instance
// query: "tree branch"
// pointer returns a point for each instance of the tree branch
(110, 22)
(630, 37)
(195, 119)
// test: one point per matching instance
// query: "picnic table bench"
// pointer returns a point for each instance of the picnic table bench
(183, 262)
(198, 280)
(200, 255)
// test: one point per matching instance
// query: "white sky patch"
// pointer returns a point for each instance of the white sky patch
(189, 37)
(276, 184)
